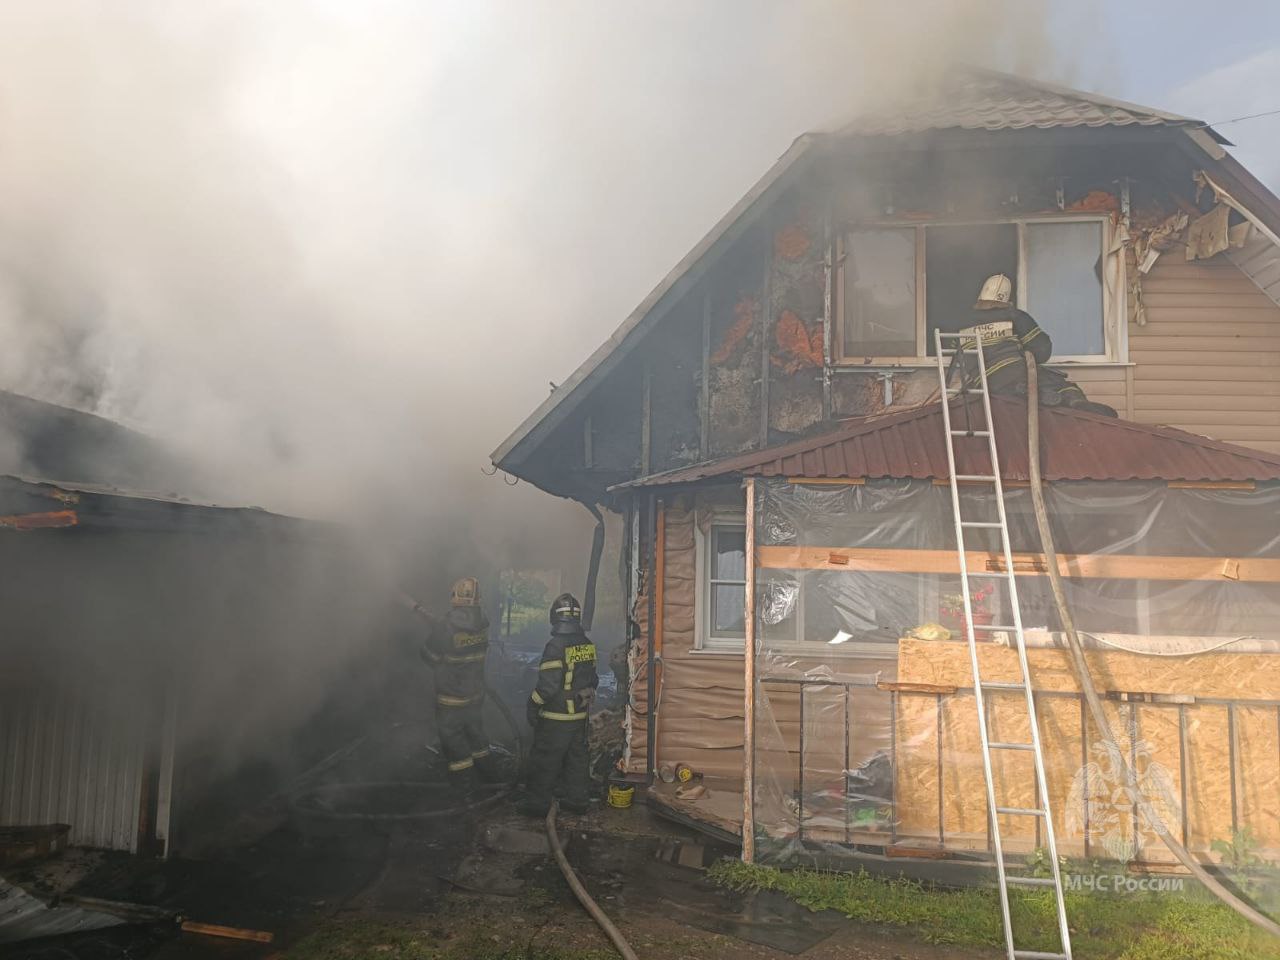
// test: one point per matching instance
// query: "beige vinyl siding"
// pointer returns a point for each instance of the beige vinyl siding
(1100, 384)
(1208, 359)
(700, 700)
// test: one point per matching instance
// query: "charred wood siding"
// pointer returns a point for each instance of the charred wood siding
(675, 371)
(796, 324)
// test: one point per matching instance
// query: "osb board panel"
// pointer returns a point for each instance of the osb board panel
(1078, 768)
(1237, 676)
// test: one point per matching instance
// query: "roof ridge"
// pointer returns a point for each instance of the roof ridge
(966, 95)
(1075, 93)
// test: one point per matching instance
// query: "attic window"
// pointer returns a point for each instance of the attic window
(880, 293)
(900, 282)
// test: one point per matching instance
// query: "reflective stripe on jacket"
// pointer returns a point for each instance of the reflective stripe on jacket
(456, 648)
(568, 666)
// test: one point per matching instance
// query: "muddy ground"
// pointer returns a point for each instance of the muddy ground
(328, 884)
(475, 886)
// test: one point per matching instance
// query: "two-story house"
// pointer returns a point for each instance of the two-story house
(790, 353)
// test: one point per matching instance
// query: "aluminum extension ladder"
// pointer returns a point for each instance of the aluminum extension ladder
(995, 809)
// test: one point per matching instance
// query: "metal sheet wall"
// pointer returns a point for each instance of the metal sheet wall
(62, 761)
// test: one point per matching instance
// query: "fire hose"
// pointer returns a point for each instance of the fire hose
(1081, 668)
(579, 891)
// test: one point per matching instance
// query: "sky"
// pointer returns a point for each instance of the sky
(338, 251)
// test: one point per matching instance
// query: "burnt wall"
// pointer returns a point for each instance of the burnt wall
(755, 328)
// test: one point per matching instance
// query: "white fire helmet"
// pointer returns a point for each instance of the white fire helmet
(997, 292)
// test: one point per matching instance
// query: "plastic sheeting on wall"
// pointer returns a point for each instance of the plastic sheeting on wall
(857, 601)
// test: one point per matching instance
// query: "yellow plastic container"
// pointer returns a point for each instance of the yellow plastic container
(621, 797)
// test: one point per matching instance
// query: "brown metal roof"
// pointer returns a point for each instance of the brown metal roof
(977, 99)
(1074, 446)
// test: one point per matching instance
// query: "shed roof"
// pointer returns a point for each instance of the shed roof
(1074, 446)
(28, 503)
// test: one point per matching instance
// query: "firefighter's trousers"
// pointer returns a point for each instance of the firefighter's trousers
(558, 764)
(460, 723)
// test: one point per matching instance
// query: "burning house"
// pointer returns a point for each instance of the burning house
(768, 425)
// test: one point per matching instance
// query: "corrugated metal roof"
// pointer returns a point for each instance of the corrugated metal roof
(23, 917)
(1074, 446)
(975, 99)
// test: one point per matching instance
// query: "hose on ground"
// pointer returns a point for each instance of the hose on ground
(579, 891)
(1081, 667)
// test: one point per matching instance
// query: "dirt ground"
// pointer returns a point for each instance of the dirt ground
(483, 887)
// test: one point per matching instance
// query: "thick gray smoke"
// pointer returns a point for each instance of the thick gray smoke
(336, 251)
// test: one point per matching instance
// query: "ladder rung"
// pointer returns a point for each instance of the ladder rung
(994, 626)
(971, 433)
(1038, 955)
(988, 575)
(1011, 746)
(1030, 882)
(983, 524)
(1021, 811)
(1001, 685)
(975, 478)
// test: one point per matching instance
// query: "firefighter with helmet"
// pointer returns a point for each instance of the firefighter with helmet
(557, 711)
(456, 648)
(1007, 333)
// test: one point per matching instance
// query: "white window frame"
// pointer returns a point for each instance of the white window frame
(705, 643)
(704, 640)
(1114, 306)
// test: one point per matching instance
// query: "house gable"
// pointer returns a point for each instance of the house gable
(738, 349)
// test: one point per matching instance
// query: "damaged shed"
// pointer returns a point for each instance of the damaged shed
(152, 643)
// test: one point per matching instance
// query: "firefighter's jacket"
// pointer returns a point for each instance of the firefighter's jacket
(568, 668)
(1006, 334)
(455, 648)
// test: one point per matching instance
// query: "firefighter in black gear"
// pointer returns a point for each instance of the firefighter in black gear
(1007, 333)
(455, 648)
(557, 710)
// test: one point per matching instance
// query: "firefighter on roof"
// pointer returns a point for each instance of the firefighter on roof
(455, 648)
(1007, 333)
(557, 711)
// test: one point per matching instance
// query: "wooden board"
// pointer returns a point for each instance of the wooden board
(1090, 566)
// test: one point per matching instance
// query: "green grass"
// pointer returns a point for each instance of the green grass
(376, 940)
(1154, 926)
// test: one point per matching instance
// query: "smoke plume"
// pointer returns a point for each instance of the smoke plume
(337, 251)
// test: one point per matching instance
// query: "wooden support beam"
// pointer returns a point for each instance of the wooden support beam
(749, 686)
(1084, 566)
